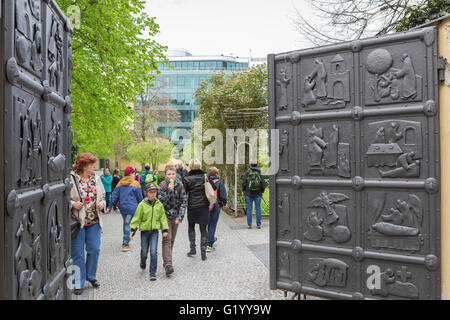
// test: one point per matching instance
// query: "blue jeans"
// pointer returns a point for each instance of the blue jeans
(213, 219)
(108, 199)
(149, 239)
(126, 228)
(91, 238)
(257, 200)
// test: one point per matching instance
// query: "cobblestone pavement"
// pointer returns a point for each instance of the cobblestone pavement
(237, 269)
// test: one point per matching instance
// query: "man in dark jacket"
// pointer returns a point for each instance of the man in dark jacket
(253, 185)
(221, 202)
(128, 193)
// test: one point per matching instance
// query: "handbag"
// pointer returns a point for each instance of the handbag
(75, 224)
(209, 192)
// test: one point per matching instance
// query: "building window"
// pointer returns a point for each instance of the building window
(180, 99)
(180, 82)
(202, 65)
(196, 65)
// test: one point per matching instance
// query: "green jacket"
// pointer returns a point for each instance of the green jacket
(148, 217)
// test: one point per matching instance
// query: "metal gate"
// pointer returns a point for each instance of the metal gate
(356, 202)
(36, 52)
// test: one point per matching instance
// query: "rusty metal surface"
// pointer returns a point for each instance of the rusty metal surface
(37, 149)
(355, 206)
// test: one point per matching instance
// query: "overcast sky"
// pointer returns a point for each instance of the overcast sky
(212, 27)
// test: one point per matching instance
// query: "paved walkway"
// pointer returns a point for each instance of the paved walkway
(237, 269)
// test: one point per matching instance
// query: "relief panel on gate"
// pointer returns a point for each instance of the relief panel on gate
(326, 149)
(27, 257)
(325, 82)
(328, 217)
(392, 75)
(395, 220)
(393, 281)
(56, 161)
(55, 55)
(286, 149)
(285, 210)
(28, 142)
(395, 149)
(55, 240)
(284, 262)
(28, 35)
(283, 81)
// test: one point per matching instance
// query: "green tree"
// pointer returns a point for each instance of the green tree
(154, 152)
(113, 59)
(236, 101)
(423, 13)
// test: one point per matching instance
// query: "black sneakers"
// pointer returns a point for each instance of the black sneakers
(169, 270)
(95, 283)
(191, 253)
(78, 291)
(142, 265)
(152, 278)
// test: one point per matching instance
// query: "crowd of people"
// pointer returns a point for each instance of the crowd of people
(150, 206)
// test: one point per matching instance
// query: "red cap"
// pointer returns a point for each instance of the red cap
(129, 171)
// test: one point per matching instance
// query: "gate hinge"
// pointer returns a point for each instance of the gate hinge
(441, 68)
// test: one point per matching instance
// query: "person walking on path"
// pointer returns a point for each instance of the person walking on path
(150, 218)
(181, 171)
(253, 186)
(128, 193)
(137, 177)
(107, 181)
(148, 177)
(87, 201)
(221, 202)
(173, 196)
(115, 181)
(198, 205)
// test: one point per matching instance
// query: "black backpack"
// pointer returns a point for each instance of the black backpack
(254, 181)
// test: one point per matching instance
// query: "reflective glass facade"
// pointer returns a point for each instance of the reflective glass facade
(180, 79)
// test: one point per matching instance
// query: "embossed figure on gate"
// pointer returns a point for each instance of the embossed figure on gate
(393, 84)
(327, 272)
(30, 140)
(396, 283)
(27, 258)
(396, 221)
(284, 214)
(284, 151)
(325, 154)
(396, 148)
(285, 268)
(55, 56)
(329, 220)
(322, 89)
(28, 34)
(283, 83)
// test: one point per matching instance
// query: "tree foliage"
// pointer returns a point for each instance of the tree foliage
(154, 152)
(423, 13)
(236, 101)
(113, 56)
(342, 20)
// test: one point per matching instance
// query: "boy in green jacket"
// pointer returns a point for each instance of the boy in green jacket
(150, 217)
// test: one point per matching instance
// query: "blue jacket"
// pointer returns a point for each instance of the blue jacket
(107, 180)
(221, 191)
(128, 192)
(144, 175)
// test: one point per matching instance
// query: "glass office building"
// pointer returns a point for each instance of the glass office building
(179, 80)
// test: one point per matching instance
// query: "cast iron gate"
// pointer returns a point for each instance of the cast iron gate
(356, 203)
(36, 50)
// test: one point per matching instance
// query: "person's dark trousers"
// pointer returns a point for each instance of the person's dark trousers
(108, 199)
(250, 200)
(213, 219)
(86, 269)
(203, 236)
(149, 240)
